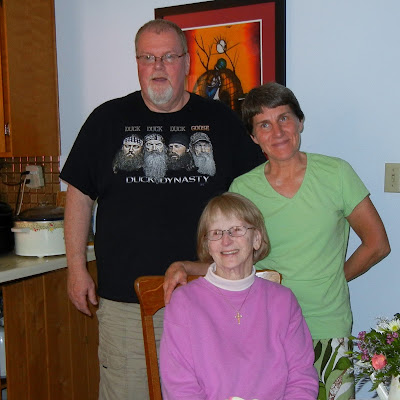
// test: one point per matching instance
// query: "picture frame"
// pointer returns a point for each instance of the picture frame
(234, 45)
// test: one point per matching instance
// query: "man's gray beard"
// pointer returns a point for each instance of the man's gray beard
(205, 163)
(183, 162)
(155, 165)
(159, 98)
(123, 163)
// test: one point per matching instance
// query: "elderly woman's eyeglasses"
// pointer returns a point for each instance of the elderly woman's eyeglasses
(235, 231)
(169, 58)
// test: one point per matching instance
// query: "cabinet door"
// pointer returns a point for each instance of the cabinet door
(2, 122)
(29, 78)
(51, 348)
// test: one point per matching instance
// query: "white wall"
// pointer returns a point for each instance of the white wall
(342, 63)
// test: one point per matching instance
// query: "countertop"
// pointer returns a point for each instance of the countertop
(16, 267)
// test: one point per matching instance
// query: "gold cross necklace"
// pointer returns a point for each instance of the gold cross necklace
(237, 315)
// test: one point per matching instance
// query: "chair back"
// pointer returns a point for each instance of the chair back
(270, 275)
(150, 292)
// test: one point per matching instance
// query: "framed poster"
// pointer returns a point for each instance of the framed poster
(234, 45)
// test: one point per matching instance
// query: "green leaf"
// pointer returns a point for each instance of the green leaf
(322, 392)
(343, 364)
(317, 351)
(331, 362)
(334, 375)
(327, 354)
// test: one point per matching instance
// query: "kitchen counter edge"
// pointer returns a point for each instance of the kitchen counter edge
(14, 267)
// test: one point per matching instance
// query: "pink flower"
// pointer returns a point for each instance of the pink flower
(378, 361)
(364, 356)
(390, 338)
(361, 335)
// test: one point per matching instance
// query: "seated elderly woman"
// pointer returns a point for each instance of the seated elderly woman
(230, 333)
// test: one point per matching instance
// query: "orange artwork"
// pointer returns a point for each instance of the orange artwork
(225, 61)
(234, 45)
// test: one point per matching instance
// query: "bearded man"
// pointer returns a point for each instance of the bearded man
(130, 156)
(137, 229)
(202, 153)
(179, 156)
(155, 156)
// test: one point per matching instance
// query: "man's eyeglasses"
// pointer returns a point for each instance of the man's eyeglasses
(149, 59)
(235, 231)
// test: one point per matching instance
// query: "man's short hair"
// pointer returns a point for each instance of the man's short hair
(162, 25)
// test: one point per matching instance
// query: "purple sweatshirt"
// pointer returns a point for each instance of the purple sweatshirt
(206, 354)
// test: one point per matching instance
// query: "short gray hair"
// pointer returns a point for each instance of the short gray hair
(162, 25)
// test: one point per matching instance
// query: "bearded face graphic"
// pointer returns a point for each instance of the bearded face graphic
(130, 156)
(179, 157)
(155, 157)
(203, 158)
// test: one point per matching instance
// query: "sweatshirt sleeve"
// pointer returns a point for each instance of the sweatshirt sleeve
(178, 377)
(302, 383)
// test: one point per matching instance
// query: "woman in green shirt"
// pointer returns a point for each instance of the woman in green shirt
(309, 202)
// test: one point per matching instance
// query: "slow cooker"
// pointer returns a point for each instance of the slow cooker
(6, 223)
(39, 231)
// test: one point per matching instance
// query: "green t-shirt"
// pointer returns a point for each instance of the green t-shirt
(309, 235)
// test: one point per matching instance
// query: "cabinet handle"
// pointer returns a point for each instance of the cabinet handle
(7, 129)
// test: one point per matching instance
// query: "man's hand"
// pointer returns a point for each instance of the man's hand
(81, 288)
(174, 276)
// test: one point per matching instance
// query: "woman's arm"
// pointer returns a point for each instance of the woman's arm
(178, 378)
(367, 224)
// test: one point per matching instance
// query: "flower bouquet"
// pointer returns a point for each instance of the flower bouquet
(378, 351)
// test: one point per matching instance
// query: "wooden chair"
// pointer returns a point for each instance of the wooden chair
(270, 275)
(149, 290)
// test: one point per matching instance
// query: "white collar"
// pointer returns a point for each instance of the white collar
(228, 284)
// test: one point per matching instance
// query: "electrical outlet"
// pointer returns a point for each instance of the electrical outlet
(392, 177)
(35, 176)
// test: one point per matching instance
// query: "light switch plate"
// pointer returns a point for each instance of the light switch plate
(392, 177)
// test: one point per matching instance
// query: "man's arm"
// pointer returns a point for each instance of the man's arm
(177, 273)
(78, 212)
(367, 224)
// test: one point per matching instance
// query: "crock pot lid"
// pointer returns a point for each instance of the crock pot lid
(42, 213)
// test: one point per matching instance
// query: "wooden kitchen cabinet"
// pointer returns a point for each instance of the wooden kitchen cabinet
(29, 90)
(51, 348)
(2, 122)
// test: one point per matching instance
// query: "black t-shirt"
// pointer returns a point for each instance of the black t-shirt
(152, 174)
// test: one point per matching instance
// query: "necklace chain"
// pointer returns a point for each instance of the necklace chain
(238, 315)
